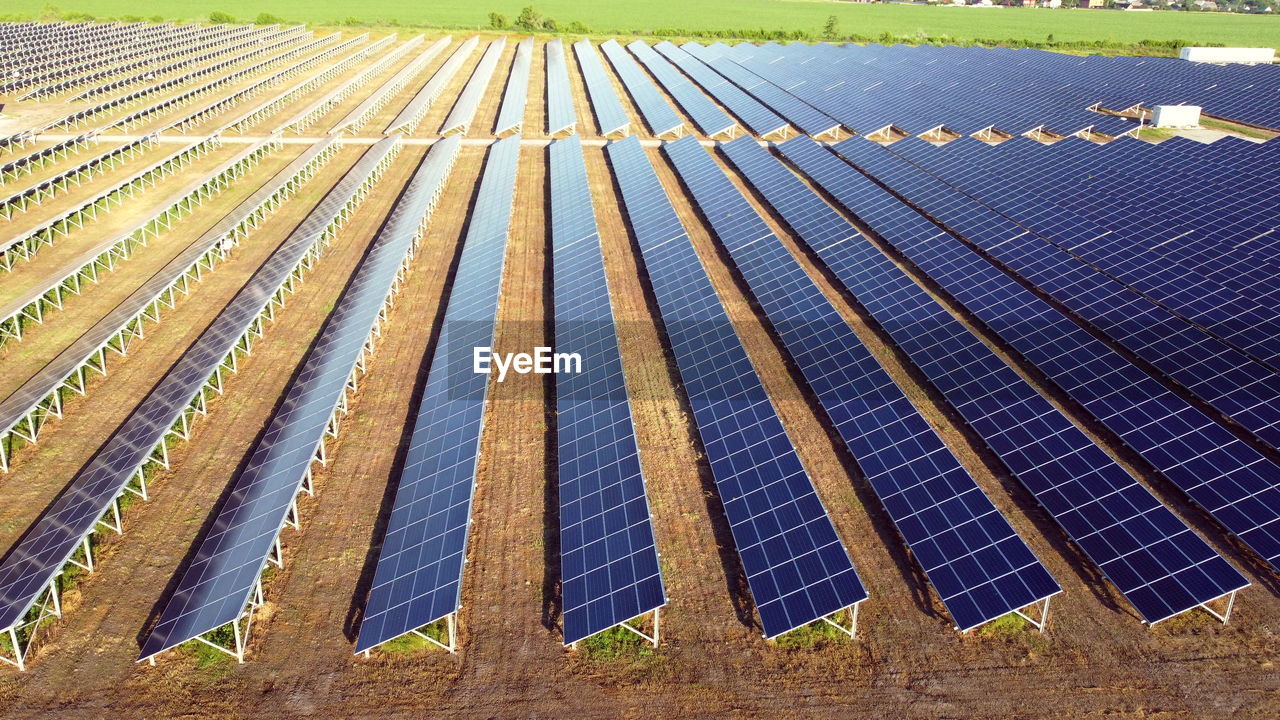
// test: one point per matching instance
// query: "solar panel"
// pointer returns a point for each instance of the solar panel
(30, 567)
(411, 115)
(511, 116)
(610, 116)
(218, 586)
(1147, 552)
(754, 115)
(363, 112)
(979, 566)
(418, 579)
(468, 102)
(709, 118)
(1235, 483)
(657, 114)
(796, 566)
(608, 560)
(561, 116)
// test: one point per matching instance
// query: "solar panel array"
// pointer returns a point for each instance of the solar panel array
(751, 112)
(1211, 262)
(561, 117)
(464, 109)
(1220, 375)
(418, 579)
(1234, 482)
(1147, 552)
(709, 118)
(363, 112)
(979, 566)
(796, 566)
(216, 587)
(655, 110)
(610, 116)
(32, 564)
(511, 115)
(608, 560)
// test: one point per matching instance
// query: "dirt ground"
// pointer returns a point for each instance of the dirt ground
(1095, 659)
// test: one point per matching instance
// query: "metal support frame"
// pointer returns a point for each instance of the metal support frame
(28, 428)
(653, 639)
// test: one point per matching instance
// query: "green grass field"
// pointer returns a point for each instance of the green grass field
(1112, 30)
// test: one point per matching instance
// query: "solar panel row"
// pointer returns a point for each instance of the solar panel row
(608, 559)
(657, 114)
(755, 116)
(610, 116)
(418, 579)
(979, 566)
(31, 567)
(795, 564)
(218, 586)
(709, 118)
(464, 109)
(376, 100)
(409, 117)
(561, 116)
(1147, 552)
(511, 115)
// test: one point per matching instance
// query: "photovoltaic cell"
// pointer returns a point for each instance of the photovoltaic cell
(216, 586)
(1147, 552)
(608, 559)
(979, 566)
(796, 566)
(418, 578)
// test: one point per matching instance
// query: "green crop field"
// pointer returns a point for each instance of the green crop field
(900, 23)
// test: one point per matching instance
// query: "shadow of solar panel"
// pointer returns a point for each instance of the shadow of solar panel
(217, 586)
(608, 559)
(979, 566)
(796, 566)
(610, 116)
(1151, 556)
(33, 563)
(418, 578)
(561, 116)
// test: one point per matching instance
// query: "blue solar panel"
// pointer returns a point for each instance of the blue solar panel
(464, 108)
(610, 115)
(709, 118)
(971, 555)
(1147, 552)
(216, 587)
(754, 115)
(657, 114)
(1232, 481)
(608, 559)
(800, 114)
(418, 579)
(796, 566)
(561, 116)
(511, 116)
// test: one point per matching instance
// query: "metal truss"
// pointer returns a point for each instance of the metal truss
(46, 156)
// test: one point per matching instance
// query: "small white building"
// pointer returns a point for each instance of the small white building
(1249, 56)
(1176, 116)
